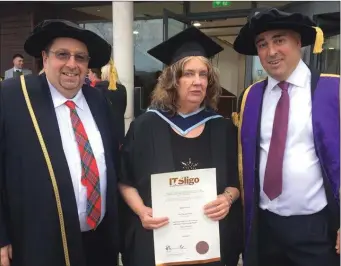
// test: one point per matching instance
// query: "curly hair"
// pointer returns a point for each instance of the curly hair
(165, 95)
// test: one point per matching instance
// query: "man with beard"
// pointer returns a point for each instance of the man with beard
(289, 147)
(58, 186)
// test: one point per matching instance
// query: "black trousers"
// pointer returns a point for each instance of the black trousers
(98, 247)
(302, 240)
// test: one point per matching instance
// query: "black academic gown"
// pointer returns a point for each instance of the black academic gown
(147, 150)
(118, 102)
(28, 213)
(333, 210)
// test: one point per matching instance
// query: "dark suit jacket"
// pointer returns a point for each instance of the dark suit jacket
(28, 214)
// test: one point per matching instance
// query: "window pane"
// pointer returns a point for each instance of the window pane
(175, 27)
(152, 9)
(148, 33)
(258, 72)
(103, 29)
(330, 57)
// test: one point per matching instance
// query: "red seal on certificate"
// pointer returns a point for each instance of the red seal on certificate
(202, 247)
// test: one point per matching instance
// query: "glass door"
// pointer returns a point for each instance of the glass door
(173, 24)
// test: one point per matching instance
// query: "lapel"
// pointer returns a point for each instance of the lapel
(318, 115)
(97, 111)
(44, 110)
(250, 142)
(93, 100)
(315, 76)
(42, 104)
(256, 194)
(258, 134)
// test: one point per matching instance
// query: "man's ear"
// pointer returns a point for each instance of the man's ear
(44, 56)
(298, 38)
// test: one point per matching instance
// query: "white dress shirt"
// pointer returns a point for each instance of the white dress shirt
(71, 151)
(303, 191)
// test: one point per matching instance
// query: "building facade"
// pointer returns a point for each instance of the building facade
(146, 24)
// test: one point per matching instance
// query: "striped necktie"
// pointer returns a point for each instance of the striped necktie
(90, 174)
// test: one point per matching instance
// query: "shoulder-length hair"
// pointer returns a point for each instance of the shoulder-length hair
(165, 95)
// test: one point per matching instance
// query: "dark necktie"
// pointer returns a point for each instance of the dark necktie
(90, 174)
(274, 166)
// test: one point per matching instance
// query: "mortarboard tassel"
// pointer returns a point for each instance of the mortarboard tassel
(319, 40)
(113, 76)
(235, 119)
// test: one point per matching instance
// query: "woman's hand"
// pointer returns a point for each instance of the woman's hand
(6, 255)
(147, 220)
(218, 209)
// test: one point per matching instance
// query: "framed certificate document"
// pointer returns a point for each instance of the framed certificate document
(190, 237)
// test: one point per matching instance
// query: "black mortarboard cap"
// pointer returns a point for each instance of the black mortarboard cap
(274, 19)
(190, 42)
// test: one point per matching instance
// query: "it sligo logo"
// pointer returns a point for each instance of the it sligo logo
(186, 180)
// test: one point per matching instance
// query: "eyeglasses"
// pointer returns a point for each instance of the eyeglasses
(65, 56)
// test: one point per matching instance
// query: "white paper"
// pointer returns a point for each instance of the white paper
(190, 235)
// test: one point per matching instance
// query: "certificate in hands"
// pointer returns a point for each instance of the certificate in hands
(190, 237)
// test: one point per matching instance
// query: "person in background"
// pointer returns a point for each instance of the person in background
(181, 131)
(116, 94)
(289, 133)
(17, 70)
(94, 76)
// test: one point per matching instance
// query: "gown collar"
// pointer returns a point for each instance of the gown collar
(184, 123)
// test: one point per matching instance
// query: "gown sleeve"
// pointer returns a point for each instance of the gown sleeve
(232, 155)
(4, 241)
(113, 128)
(127, 156)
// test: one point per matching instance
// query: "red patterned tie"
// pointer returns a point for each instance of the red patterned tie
(90, 174)
(274, 166)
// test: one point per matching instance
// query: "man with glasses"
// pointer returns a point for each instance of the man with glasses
(58, 207)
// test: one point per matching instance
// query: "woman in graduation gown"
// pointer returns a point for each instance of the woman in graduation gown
(181, 131)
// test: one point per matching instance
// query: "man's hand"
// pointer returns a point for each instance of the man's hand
(337, 247)
(147, 220)
(6, 255)
(218, 209)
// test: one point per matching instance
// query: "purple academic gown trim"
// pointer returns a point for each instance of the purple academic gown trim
(326, 129)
